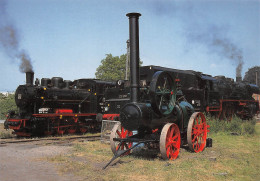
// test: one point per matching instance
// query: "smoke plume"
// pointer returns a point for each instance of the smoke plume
(218, 44)
(199, 29)
(231, 51)
(9, 41)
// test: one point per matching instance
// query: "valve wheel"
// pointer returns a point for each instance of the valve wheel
(119, 132)
(197, 132)
(162, 93)
(170, 141)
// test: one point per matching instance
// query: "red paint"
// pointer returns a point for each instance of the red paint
(60, 111)
(110, 116)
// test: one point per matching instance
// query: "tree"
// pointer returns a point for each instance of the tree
(112, 68)
(7, 103)
(251, 74)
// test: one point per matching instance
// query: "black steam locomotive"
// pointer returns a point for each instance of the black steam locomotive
(220, 96)
(58, 106)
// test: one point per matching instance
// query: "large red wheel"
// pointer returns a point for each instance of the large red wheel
(170, 141)
(119, 132)
(197, 132)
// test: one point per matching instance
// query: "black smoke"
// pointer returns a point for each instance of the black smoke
(214, 38)
(199, 29)
(10, 41)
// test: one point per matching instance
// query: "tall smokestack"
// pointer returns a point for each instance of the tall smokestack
(29, 78)
(238, 79)
(134, 55)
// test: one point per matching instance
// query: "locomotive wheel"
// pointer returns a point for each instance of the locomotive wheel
(48, 133)
(83, 130)
(72, 129)
(60, 131)
(119, 132)
(170, 141)
(162, 93)
(197, 132)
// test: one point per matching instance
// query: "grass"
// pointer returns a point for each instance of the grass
(236, 126)
(232, 157)
(5, 133)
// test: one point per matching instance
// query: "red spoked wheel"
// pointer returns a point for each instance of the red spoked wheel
(72, 129)
(119, 132)
(170, 141)
(197, 132)
(60, 131)
(83, 130)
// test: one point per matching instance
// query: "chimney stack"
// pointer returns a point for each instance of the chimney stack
(29, 78)
(134, 55)
(238, 79)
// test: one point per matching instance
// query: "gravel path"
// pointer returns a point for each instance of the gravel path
(27, 162)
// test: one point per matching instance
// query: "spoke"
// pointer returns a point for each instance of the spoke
(126, 133)
(163, 92)
(117, 147)
(164, 83)
(161, 102)
(171, 132)
(168, 151)
(194, 138)
(173, 143)
(172, 153)
(122, 146)
(126, 146)
(175, 137)
(197, 120)
(159, 92)
(119, 134)
(123, 132)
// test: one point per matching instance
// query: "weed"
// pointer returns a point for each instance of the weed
(235, 126)
(5, 133)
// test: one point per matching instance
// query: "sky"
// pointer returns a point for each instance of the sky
(69, 38)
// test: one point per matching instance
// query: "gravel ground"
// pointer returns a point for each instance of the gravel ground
(27, 162)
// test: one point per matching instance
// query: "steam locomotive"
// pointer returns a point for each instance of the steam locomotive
(56, 106)
(219, 96)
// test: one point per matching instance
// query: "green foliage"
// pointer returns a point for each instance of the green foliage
(112, 68)
(250, 75)
(235, 126)
(7, 103)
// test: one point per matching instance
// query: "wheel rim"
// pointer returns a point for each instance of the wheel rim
(170, 141)
(197, 132)
(119, 132)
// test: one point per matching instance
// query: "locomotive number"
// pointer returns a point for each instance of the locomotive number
(19, 96)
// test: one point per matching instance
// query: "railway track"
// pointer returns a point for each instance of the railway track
(64, 138)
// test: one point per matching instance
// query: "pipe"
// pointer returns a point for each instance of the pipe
(134, 56)
(29, 78)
